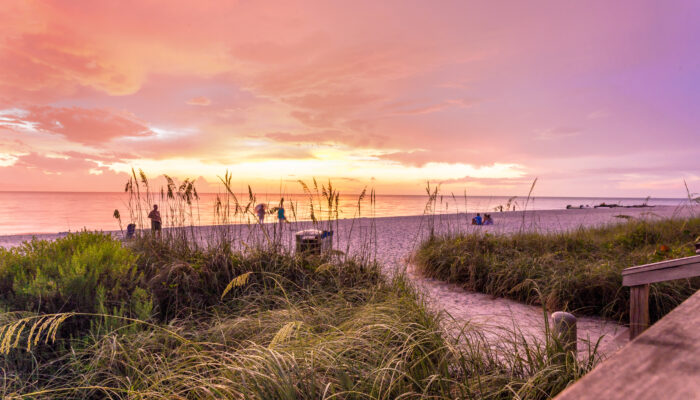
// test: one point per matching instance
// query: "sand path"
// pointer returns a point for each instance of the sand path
(400, 236)
(393, 240)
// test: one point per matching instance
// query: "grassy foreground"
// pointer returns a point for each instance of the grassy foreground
(579, 270)
(89, 317)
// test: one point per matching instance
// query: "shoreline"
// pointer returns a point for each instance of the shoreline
(71, 212)
(538, 220)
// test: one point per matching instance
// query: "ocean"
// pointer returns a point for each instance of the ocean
(51, 212)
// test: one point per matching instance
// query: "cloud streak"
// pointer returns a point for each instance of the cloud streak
(80, 125)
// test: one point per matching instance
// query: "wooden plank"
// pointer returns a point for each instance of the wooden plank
(680, 268)
(661, 363)
(639, 310)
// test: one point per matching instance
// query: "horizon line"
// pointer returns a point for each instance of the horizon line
(377, 194)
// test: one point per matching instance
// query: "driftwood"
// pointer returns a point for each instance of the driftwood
(604, 205)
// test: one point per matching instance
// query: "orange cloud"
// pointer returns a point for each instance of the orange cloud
(459, 153)
(329, 137)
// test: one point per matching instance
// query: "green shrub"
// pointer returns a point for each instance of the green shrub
(578, 270)
(81, 272)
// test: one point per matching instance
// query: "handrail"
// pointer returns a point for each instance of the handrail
(679, 268)
(638, 279)
(662, 363)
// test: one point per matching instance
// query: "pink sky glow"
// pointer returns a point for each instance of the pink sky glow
(596, 98)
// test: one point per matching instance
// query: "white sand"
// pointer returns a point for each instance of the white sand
(393, 239)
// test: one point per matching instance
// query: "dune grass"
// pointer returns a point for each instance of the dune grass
(274, 325)
(578, 270)
(182, 316)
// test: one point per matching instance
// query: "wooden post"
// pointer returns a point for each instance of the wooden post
(639, 309)
(564, 329)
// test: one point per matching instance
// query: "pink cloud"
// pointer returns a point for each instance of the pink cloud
(199, 101)
(58, 163)
(80, 125)
(557, 133)
(405, 108)
(489, 181)
(59, 173)
(57, 64)
(390, 76)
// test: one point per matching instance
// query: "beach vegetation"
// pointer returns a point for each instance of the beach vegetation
(577, 270)
(79, 273)
(213, 314)
(282, 326)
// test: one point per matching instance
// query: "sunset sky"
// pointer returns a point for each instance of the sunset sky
(596, 98)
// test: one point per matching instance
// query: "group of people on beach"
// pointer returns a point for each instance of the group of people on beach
(156, 224)
(486, 220)
(261, 210)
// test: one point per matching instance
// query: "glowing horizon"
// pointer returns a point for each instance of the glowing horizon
(593, 99)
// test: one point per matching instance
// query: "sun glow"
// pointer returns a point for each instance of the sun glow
(326, 167)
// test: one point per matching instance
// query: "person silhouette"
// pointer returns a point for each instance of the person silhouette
(260, 211)
(280, 213)
(156, 222)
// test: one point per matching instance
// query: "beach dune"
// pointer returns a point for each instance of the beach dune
(394, 239)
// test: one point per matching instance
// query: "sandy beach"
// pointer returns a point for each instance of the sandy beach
(392, 240)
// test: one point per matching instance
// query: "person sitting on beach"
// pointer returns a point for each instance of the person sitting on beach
(487, 219)
(130, 230)
(477, 220)
(154, 215)
(280, 213)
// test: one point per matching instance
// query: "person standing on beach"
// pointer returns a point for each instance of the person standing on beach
(280, 213)
(260, 211)
(154, 215)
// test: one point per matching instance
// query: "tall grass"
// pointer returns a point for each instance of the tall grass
(579, 270)
(374, 340)
(230, 311)
(234, 217)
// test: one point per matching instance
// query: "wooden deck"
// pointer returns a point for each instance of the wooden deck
(663, 362)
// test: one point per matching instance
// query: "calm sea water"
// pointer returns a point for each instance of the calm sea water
(48, 212)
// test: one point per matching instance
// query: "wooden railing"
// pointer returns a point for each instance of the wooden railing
(662, 363)
(638, 279)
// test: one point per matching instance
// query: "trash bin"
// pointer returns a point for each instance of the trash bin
(314, 241)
